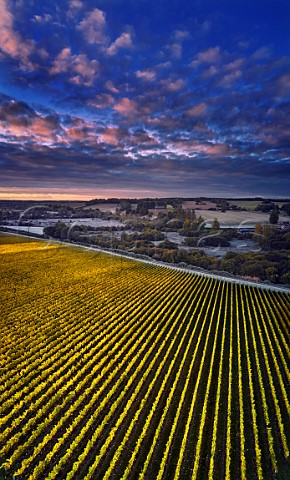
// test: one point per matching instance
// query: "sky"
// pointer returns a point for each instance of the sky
(144, 98)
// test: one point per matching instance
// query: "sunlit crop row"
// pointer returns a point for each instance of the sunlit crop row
(112, 368)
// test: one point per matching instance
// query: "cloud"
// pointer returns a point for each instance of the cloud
(74, 5)
(42, 53)
(148, 75)
(126, 107)
(197, 110)
(186, 147)
(209, 72)
(262, 53)
(110, 86)
(103, 100)
(58, 149)
(10, 108)
(173, 86)
(180, 35)
(44, 128)
(20, 124)
(176, 47)
(210, 56)
(176, 50)
(284, 85)
(143, 137)
(124, 41)
(93, 26)
(76, 133)
(228, 80)
(234, 65)
(11, 42)
(83, 71)
(111, 135)
(62, 62)
(18, 120)
(46, 18)
(164, 65)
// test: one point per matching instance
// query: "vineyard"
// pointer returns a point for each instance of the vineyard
(117, 369)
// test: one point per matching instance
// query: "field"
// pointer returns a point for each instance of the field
(191, 204)
(114, 369)
(104, 207)
(232, 217)
(251, 204)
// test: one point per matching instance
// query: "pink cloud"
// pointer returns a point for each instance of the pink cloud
(11, 41)
(146, 75)
(184, 147)
(81, 130)
(272, 134)
(230, 78)
(41, 127)
(85, 70)
(62, 61)
(217, 149)
(103, 100)
(109, 86)
(76, 134)
(43, 130)
(74, 5)
(197, 110)
(124, 41)
(110, 135)
(93, 26)
(12, 130)
(181, 34)
(173, 86)
(209, 72)
(126, 107)
(235, 65)
(211, 55)
(42, 53)
(164, 65)
(176, 47)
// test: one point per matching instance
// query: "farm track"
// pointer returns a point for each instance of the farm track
(129, 370)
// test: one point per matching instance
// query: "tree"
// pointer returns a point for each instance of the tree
(274, 216)
(265, 207)
(223, 205)
(186, 224)
(286, 208)
(265, 235)
(215, 224)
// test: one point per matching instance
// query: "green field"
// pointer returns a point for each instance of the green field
(251, 204)
(117, 369)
